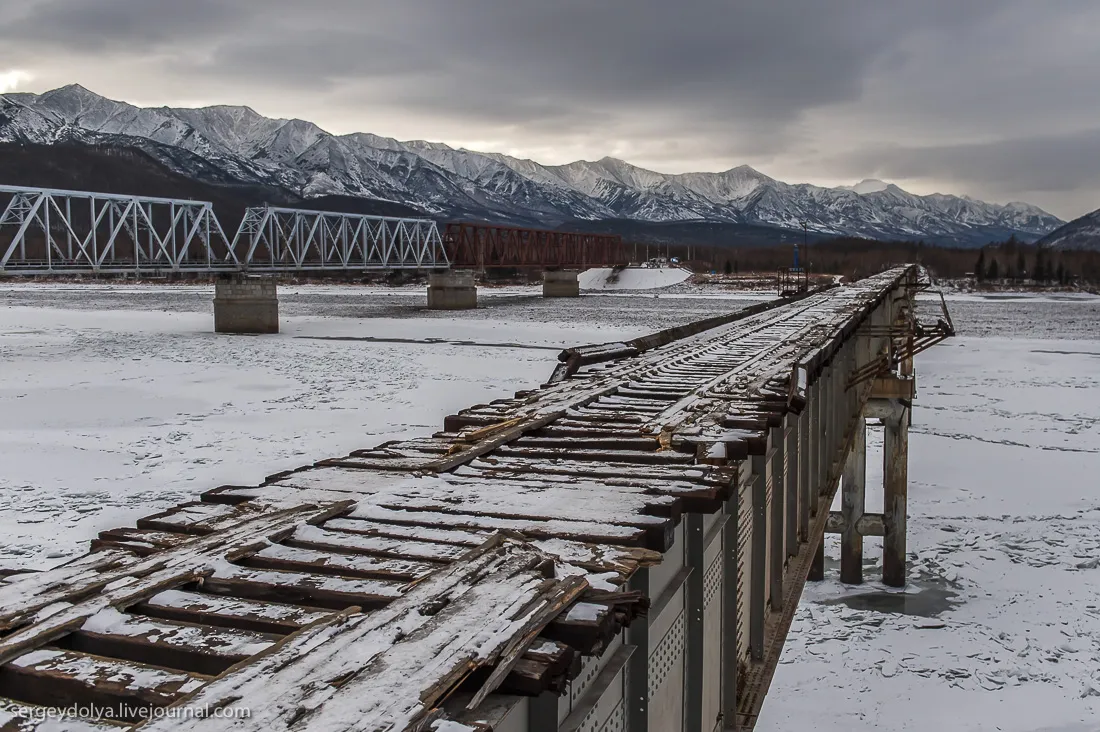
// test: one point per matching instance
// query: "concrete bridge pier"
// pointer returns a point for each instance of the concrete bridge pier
(245, 304)
(561, 283)
(452, 290)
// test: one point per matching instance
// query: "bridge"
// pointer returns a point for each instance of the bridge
(622, 548)
(58, 232)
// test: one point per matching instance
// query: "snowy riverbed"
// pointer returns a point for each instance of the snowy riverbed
(116, 401)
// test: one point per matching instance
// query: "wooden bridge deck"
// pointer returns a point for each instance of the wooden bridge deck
(417, 584)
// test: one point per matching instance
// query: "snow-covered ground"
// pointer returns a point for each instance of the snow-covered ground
(633, 278)
(117, 400)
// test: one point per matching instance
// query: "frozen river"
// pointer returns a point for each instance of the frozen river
(116, 401)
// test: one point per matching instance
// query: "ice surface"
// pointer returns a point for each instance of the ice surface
(117, 401)
(1004, 513)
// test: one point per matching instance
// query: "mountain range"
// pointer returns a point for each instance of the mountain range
(230, 145)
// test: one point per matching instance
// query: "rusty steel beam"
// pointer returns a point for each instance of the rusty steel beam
(482, 245)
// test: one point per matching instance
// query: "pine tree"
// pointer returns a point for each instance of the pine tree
(728, 267)
(994, 270)
(979, 266)
(1021, 265)
(1062, 274)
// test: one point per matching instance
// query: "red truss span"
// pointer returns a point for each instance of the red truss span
(479, 246)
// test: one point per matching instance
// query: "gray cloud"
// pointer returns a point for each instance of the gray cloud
(993, 95)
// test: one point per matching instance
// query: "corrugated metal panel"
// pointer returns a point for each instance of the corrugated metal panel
(609, 714)
(666, 678)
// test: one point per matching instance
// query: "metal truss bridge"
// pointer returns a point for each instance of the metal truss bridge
(45, 231)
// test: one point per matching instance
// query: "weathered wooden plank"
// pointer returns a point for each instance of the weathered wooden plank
(312, 537)
(49, 604)
(365, 514)
(666, 457)
(388, 669)
(139, 541)
(229, 612)
(192, 518)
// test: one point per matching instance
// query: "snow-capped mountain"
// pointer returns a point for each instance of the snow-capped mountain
(300, 156)
(1081, 233)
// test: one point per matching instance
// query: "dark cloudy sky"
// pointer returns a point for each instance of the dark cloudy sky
(999, 99)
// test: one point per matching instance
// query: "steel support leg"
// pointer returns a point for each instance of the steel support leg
(853, 502)
(817, 569)
(896, 489)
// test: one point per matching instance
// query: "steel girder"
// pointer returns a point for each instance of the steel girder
(480, 246)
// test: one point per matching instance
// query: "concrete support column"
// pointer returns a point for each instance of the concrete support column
(561, 283)
(452, 290)
(896, 488)
(245, 304)
(853, 502)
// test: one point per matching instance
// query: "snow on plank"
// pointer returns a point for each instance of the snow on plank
(186, 647)
(229, 612)
(279, 556)
(46, 605)
(300, 587)
(312, 537)
(17, 717)
(361, 519)
(59, 678)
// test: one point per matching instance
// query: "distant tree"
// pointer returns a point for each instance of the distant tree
(1062, 278)
(994, 271)
(729, 267)
(979, 266)
(1041, 272)
(1021, 265)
